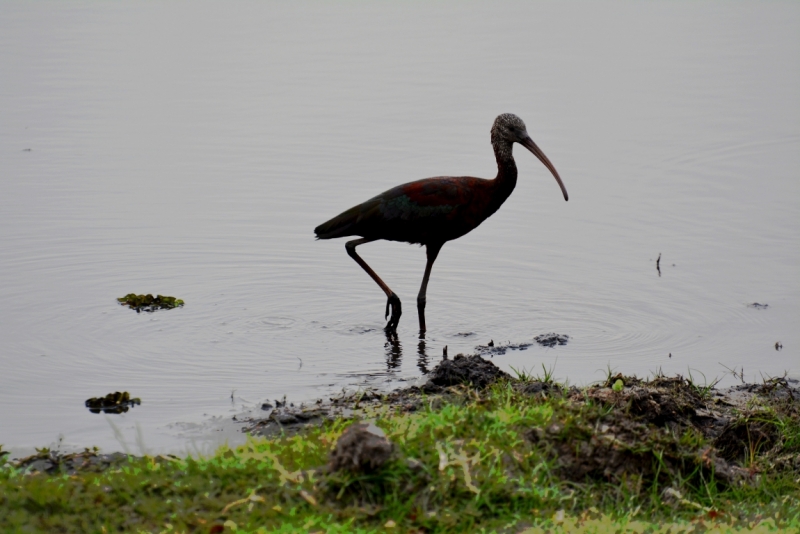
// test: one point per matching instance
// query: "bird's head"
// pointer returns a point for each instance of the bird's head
(509, 129)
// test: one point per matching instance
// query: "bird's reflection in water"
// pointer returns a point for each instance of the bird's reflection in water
(394, 351)
(422, 356)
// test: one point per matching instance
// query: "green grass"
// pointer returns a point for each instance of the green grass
(523, 375)
(464, 466)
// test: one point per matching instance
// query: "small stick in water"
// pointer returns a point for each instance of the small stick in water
(658, 264)
(444, 352)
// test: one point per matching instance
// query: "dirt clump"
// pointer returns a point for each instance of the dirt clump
(663, 401)
(362, 448)
(472, 370)
(780, 394)
(737, 431)
(744, 439)
(614, 447)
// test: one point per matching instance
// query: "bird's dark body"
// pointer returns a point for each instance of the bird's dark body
(435, 210)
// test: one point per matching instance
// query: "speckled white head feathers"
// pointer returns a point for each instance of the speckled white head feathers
(508, 127)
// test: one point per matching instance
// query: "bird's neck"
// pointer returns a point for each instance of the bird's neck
(506, 171)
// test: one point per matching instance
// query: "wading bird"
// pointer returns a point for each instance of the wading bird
(433, 211)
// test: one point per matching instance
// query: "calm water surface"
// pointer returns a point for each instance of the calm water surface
(189, 149)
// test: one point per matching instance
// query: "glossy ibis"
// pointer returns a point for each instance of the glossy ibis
(433, 211)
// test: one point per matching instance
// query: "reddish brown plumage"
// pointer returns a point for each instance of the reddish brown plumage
(435, 210)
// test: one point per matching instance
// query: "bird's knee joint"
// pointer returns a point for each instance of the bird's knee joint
(421, 302)
(350, 247)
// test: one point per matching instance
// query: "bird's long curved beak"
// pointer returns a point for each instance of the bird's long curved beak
(530, 145)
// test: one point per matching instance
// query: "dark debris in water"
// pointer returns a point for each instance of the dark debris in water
(758, 306)
(491, 349)
(546, 340)
(117, 402)
(149, 303)
(552, 339)
(362, 330)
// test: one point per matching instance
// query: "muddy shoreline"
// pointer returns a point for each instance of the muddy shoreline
(741, 423)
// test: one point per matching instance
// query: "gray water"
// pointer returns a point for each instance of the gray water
(189, 149)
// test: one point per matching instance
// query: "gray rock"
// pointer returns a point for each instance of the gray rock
(362, 448)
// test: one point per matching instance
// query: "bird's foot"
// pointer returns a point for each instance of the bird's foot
(394, 303)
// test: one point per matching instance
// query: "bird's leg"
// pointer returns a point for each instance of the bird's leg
(432, 251)
(393, 300)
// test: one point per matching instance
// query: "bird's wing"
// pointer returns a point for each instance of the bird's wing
(432, 197)
(428, 202)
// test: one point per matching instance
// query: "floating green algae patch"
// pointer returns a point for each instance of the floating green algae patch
(117, 402)
(514, 457)
(149, 303)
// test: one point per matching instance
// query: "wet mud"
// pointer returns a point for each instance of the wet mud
(288, 418)
(626, 429)
(650, 429)
(56, 462)
(433, 389)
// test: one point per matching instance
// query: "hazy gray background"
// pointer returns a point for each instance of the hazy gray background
(190, 148)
